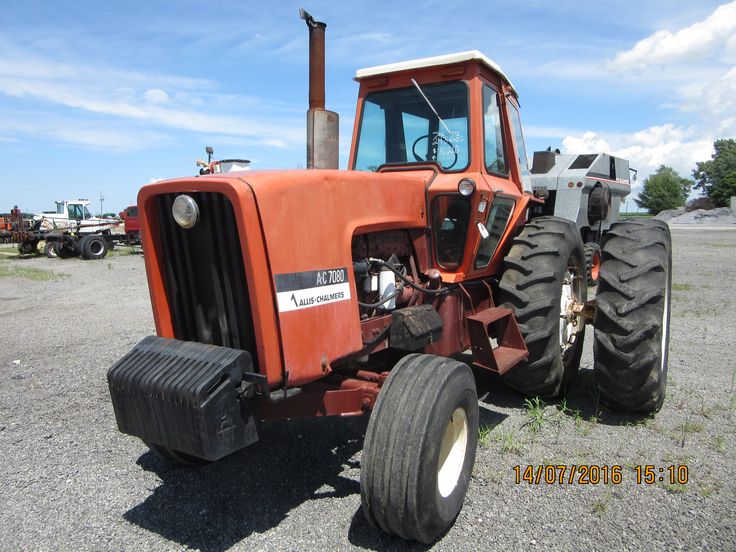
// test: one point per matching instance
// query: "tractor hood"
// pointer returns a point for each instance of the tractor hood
(295, 230)
(310, 217)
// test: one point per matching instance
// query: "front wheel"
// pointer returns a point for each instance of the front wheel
(419, 448)
(632, 320)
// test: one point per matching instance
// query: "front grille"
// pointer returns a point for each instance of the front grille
(203, 274)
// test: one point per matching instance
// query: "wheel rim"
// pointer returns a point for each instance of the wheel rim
(95, 247)
(665, 328)
(595, 266)
(452, 452)
(570, 323)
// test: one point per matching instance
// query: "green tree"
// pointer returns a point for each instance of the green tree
(665, 189)
(717, 177)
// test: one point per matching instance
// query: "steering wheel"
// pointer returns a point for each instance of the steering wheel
(440, 137)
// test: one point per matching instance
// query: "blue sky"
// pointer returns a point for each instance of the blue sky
(108, 96)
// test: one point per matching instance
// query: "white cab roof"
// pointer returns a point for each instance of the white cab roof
(447, 59)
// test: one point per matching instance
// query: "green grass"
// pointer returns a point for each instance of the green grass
(634, 215)
(673, 488)
(719, 443)
(121, 250)
(508, 443)
(30, 273)
(535, 411)
(483, 434)
(708, 489)
(681, 287)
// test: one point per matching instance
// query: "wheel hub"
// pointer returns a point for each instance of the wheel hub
(452, 452)
(569, 318)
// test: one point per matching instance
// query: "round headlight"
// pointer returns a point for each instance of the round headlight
(466, 187)
(185, 211)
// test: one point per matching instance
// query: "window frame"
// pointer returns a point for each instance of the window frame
(506, 174)
(435, 231)
(408, 163)
(504, 197)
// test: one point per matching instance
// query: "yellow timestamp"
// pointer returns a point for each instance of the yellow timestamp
(673, 474)
(592, 474)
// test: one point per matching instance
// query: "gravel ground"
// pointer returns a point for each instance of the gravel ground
(70, 481)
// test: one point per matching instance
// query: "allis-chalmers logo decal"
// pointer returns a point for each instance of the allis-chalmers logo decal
(302, 290)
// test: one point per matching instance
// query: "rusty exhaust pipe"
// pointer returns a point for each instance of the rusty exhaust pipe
(322, 125)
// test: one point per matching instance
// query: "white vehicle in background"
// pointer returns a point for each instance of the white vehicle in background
(73, 214)
(587, 189)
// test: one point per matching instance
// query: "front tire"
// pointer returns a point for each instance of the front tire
(420, 447)
(544, 275)
(632, 320)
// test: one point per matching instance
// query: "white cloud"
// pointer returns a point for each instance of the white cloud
(647, 149)
(68, 91)
(715, 34)
(587, 143)
(156, 95)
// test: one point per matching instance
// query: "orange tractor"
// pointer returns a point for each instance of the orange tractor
(327, 292)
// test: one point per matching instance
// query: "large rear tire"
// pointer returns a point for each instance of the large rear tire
(544, 275)
(593, 262)
(632, 320)
(420, 447)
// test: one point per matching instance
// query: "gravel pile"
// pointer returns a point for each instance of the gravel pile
(720, 216)
(70, 481)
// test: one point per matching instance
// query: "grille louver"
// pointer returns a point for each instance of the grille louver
(204, 275)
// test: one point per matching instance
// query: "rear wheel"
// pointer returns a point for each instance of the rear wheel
(26, 247)
(419, 447)
(544, 277)
(49, 249)
(633, 314)
(593, 262)
(93, 247)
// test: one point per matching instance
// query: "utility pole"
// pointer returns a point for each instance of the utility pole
(102, 198)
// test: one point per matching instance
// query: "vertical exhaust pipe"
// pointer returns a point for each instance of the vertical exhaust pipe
(322, 125)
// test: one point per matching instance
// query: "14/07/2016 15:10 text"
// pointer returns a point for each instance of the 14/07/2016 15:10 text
(563, 474)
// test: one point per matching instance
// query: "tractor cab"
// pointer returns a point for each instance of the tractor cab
(457, 115)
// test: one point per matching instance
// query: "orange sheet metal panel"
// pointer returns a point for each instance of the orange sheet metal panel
(254, 260)
(309, 219)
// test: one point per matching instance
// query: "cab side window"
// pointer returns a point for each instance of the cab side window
(518, 138)
(495, 152)
(75, 212)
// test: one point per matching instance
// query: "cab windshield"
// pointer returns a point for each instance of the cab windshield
(400, 126)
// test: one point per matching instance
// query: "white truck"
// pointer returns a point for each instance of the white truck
(73, 213)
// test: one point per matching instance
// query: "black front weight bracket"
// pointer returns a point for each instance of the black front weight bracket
(187, 396)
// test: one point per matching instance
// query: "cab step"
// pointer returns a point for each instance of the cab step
(496, 341)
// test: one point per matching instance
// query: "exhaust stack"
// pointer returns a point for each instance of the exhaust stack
(322, 125)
